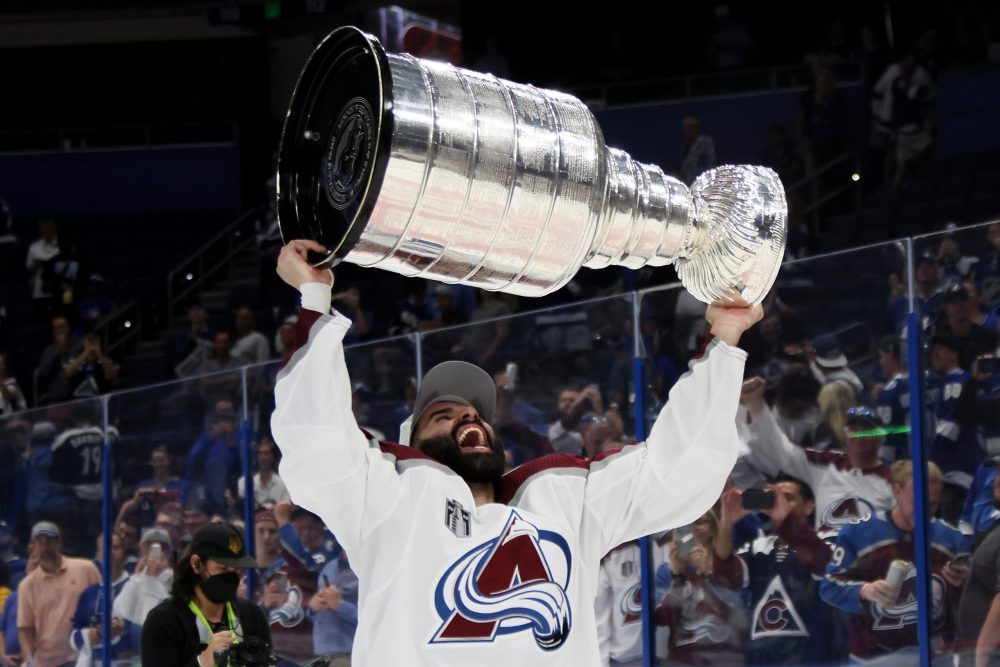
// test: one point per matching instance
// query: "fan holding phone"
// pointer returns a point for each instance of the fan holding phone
(706, 620)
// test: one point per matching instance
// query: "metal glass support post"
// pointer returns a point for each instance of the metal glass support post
(107, 586)
(922, 516)
(248, 490)
(645, 566)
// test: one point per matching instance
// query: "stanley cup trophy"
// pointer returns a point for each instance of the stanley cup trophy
(431, 171)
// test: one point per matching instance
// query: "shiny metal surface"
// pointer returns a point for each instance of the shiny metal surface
(509, 187)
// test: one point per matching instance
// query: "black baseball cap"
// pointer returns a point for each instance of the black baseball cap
(457, 382)
(222, 543)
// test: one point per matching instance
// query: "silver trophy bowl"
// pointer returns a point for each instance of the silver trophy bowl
(432, 171)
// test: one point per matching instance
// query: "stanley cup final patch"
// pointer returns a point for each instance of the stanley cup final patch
(457, 518)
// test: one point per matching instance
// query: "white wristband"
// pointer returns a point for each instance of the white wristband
(316, 296)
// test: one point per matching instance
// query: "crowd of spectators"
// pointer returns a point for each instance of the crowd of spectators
(793, 565)
(745, 582)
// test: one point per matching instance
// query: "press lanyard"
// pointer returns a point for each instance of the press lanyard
(230, 617)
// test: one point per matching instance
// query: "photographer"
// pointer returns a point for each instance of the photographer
(203, 623)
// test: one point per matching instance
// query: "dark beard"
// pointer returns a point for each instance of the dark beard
(474, 468)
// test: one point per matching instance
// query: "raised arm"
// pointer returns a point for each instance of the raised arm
(678, 473)
(328, 465)
(770, 449)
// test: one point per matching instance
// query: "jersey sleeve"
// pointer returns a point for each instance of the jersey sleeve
(328, 465)
(810, 550)
(80, 622)
(772, 452)
(837, 587)
(678, 473)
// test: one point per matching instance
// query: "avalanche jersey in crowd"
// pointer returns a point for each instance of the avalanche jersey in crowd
(863, 553)
(979, 514)
(706, 619)
(619, 605)
(892, 404)
(445, 582)
(954, 447)
(76, 460)
(788, 618)
(843, 494)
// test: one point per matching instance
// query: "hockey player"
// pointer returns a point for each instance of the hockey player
(457, 563)
(885, 617)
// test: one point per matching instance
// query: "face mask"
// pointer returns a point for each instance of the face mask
(220, 588)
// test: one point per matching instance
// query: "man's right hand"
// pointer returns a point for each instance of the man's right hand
(221, 641)
(283, 512)
(731, 507)
(880, 592)
(294, 268)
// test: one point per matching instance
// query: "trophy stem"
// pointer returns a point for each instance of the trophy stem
(646, 218)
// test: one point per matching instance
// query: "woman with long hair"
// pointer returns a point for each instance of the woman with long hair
(831, 433)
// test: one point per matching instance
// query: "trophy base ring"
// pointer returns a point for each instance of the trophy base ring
(335, 144)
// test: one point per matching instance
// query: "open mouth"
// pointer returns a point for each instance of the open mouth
(472, 438)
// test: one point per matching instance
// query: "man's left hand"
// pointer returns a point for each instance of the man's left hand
(730, 320)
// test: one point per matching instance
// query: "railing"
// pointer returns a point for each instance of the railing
(811, 191)
(65, 140)
(210, 259)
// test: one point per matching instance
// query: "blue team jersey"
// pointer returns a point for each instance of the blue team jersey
(979, 513)
(899, 308)
(954, 447)
(892, 404)
(863, 553)
(90, 613)
(987, 274)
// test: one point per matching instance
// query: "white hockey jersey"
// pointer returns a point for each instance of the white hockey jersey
(444, 582)
(843, 494)
(619, 605)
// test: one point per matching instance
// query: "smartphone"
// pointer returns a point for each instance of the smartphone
(684, 537)
(964, 559)
(987, 365)
(758, 499)
(156, 551)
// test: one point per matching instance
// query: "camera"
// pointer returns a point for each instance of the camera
(758, 499)
(253, 652)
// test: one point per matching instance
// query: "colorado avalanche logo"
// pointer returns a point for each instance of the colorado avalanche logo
(905, 611)
(631, 604)
(775, 615)
(515, 582)
(843, 511)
